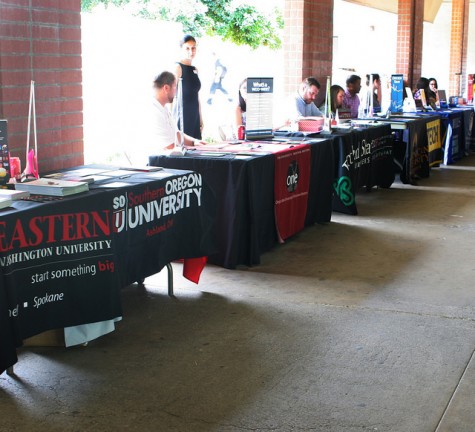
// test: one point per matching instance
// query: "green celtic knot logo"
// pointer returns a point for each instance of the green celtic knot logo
(343, 189)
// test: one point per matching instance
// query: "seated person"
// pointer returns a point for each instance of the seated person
(422, 88)
(165, 132)
(376, 92)
(337, 94)
(302, 103)
(240, 119)
(351, 99)
(434, 88)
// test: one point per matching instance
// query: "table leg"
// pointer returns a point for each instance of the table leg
(170, 279)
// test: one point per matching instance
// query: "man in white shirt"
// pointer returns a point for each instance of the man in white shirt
(303, 103)
(165, 132)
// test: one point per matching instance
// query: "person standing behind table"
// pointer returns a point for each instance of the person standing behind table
(302, 103)
(164, 129)
(376, 92)
(191, 85)
(351, 99)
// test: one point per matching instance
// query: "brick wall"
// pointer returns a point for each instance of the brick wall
(308, 41)
(409, 40)
(40, 40)
(458, 47)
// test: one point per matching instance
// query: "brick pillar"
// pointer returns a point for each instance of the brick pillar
(40, 40)
(458, 47)
(308, 42)
(409, 40)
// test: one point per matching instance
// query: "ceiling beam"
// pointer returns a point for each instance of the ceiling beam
(431, 7)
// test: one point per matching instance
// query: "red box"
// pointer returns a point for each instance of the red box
(311, 124)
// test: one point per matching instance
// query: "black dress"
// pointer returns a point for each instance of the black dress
(191, 85)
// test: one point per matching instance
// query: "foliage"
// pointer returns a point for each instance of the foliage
(243, 24)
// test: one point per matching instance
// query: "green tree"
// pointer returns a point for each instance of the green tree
(242, 24)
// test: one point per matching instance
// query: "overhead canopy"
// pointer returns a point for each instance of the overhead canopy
(431, 7)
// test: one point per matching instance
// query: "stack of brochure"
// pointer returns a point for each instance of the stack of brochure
(13, 195)
(5, 202)
(53, 187)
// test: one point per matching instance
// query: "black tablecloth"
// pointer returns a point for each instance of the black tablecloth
(8, 339)
(244, 190)
(364, 159)
(414, 159)
(64, 261)
(468, 120)
(322, 175)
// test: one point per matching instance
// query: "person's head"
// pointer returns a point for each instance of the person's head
(336, 96)
(353, 84)
(376, 80)
(422, 83)
(243, 94)
(433, 84)
(188, 47)
(309, 89)
(165, 87)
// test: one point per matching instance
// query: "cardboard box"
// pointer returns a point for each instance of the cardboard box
(311, 124)
(48, 338)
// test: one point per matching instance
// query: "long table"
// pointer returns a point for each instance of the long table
(246, 185)
(426, 139)
(63, 261)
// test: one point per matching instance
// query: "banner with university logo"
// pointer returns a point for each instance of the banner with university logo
(59, 266)
(364, 159)
(63, 262)
(152, 222)
(292, 176)
(434, 144)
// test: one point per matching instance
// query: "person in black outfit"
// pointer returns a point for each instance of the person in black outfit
(187, 76)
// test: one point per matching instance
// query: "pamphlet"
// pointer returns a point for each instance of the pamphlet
(5, 202)
(53, 187)
(14, 195)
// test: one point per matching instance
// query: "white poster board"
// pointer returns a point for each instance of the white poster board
(259, 106)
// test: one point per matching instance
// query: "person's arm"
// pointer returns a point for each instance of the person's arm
(201, 116)
(238, 117)
(199, 108)
(315, 112)
(191, 142)
(178, 71)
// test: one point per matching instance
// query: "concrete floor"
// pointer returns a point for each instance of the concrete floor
(363, 324)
